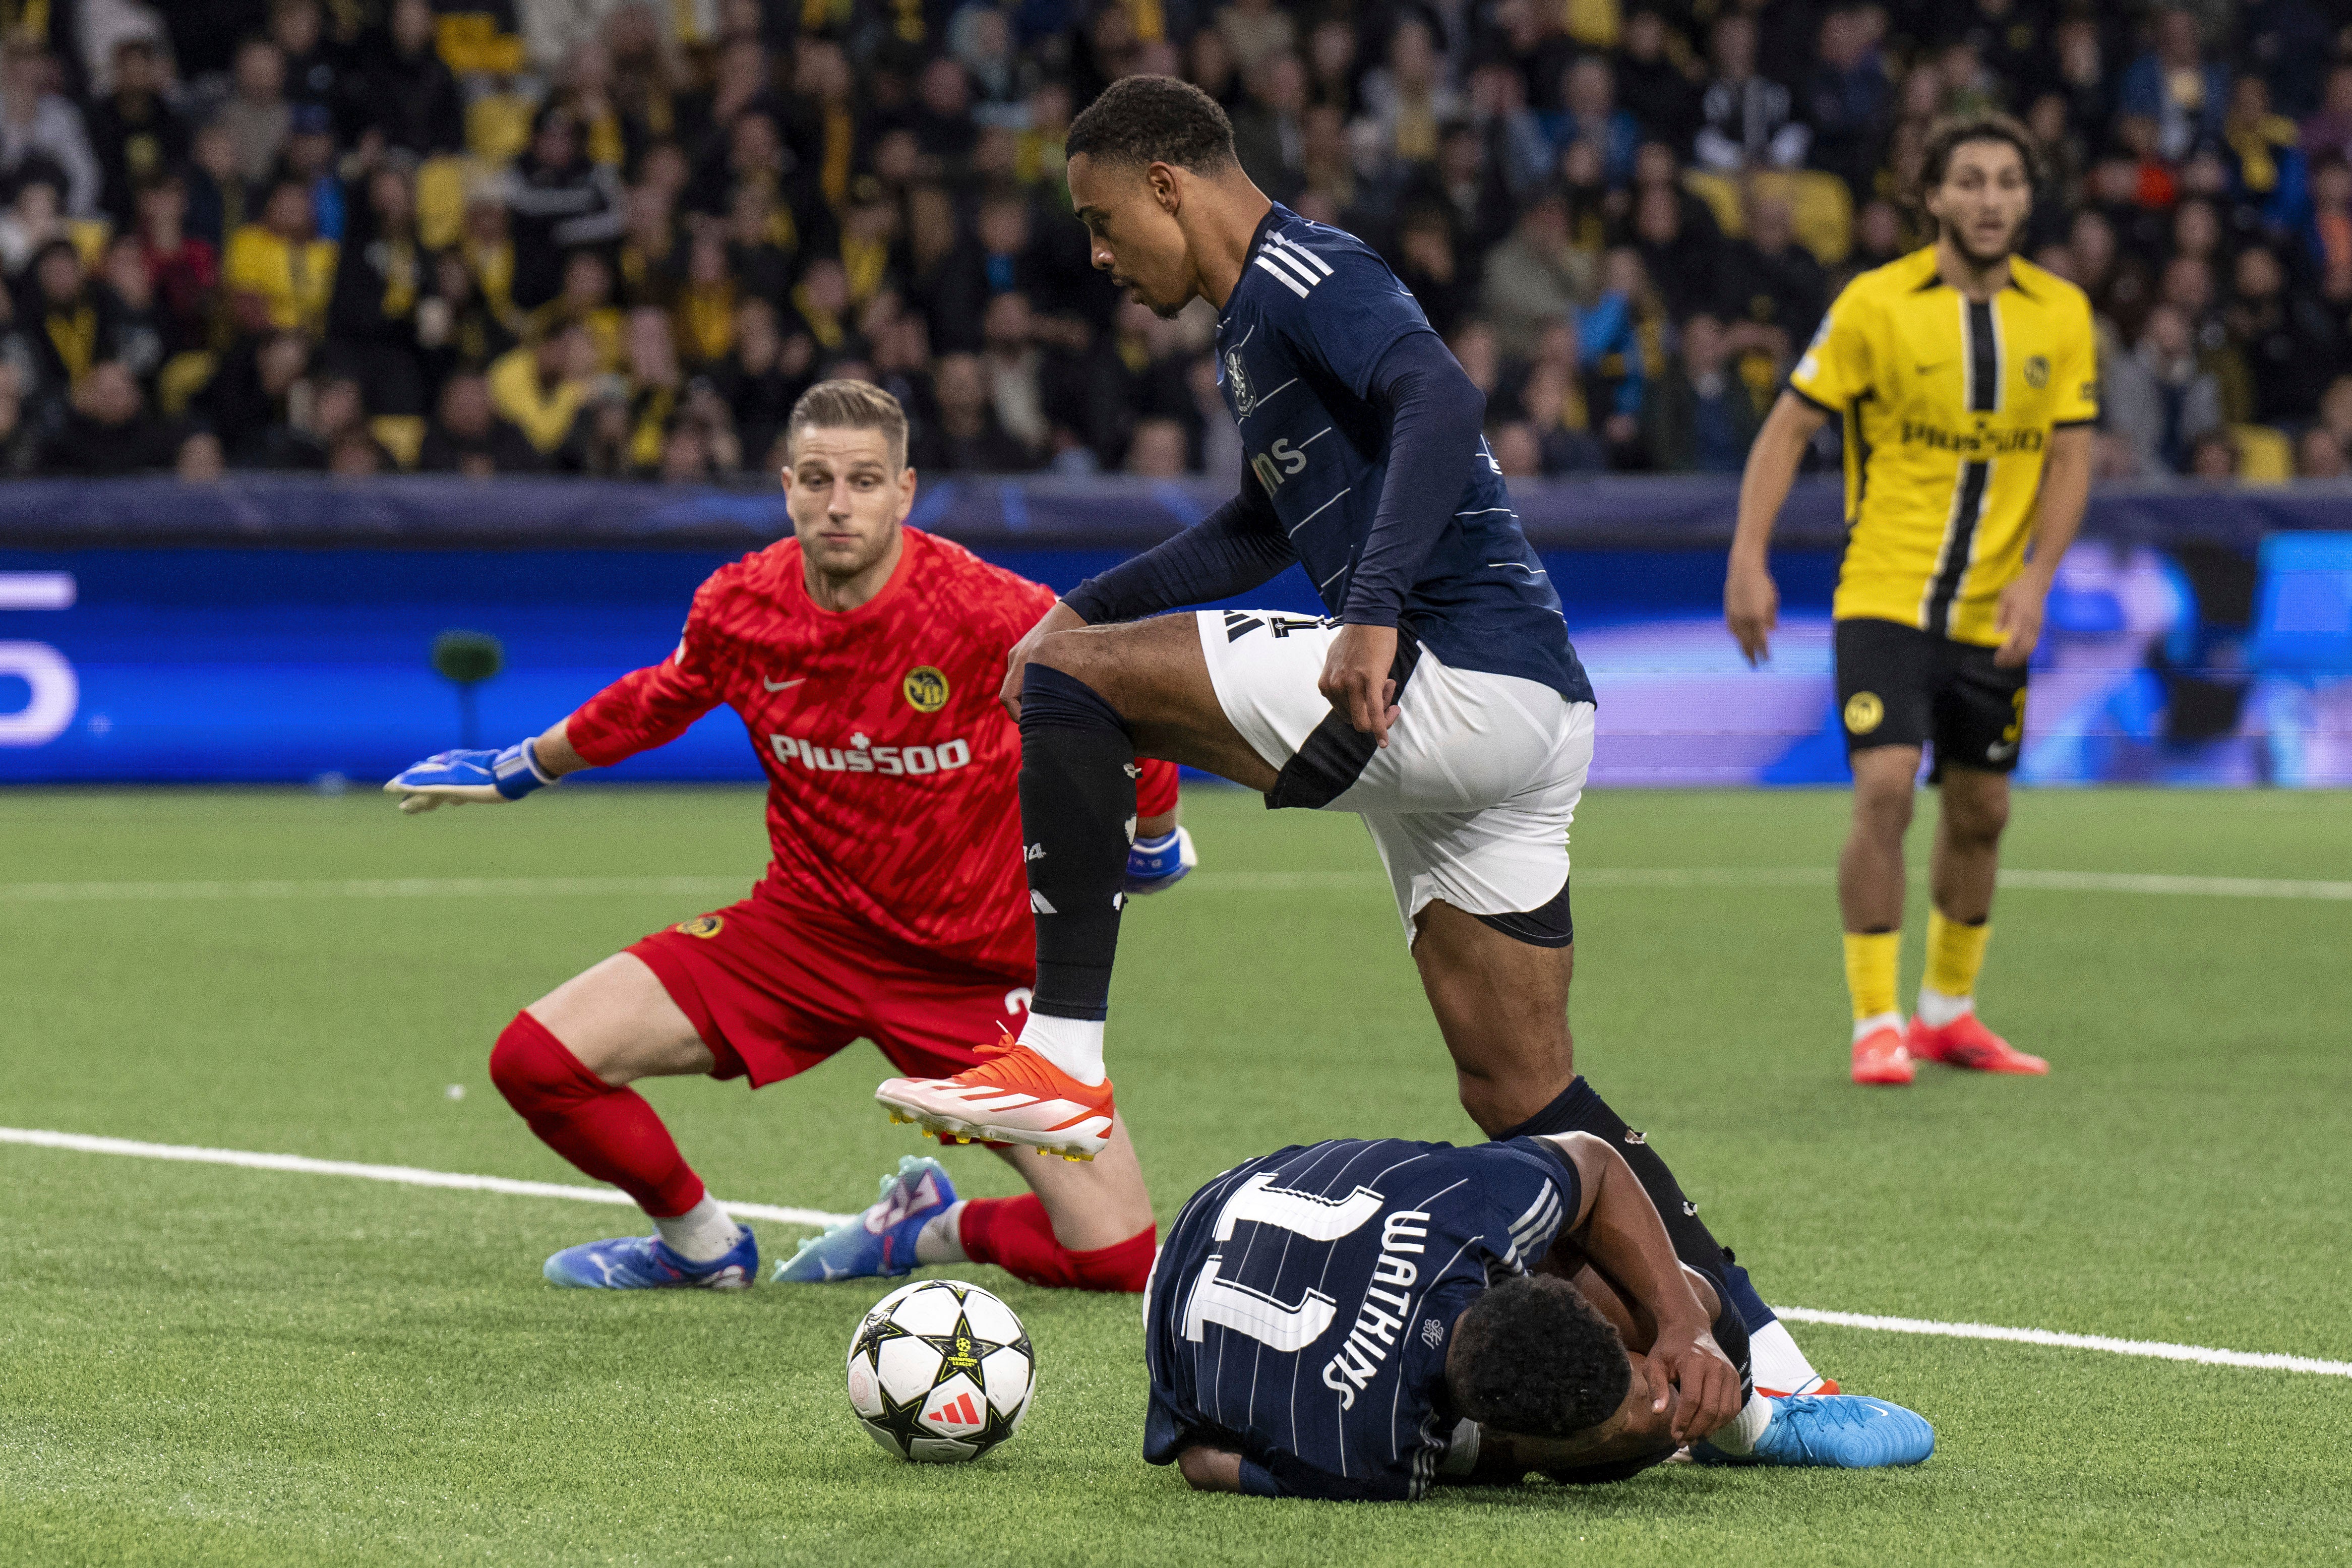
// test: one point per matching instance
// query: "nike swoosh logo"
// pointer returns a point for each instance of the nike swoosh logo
(780, 685)
(2001, 753)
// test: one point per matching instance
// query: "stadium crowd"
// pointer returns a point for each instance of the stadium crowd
(595, 237)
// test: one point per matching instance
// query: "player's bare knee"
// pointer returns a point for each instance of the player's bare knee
(1976, 814)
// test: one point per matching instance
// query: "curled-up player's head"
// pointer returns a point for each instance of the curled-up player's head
(1531, 1356)
(1149, 161)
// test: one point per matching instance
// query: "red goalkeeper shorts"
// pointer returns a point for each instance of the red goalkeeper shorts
(774, 990)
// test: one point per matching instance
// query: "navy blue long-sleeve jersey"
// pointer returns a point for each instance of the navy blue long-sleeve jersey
(1300, 1311)
(1299, 348)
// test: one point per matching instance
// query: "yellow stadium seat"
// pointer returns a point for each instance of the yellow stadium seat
(402, 434)
(1595, 24)
(89, 235)
(498, 126)
(182, 376)
(440, 202)
(470, 41)
(1821, 210)
(2265, 457)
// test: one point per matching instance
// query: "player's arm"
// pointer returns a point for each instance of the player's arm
(1618, 1228)
(644, 708)
(1435, 413)
(1751, 603)
(1231, 551)
(1834, 370)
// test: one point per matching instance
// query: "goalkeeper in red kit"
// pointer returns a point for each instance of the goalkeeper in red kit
(864, 657)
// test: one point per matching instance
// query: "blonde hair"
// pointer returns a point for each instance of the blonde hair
(850, 405)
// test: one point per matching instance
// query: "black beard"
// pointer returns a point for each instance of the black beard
(1980, 260)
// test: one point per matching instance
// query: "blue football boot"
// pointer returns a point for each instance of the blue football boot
(647, 1263)
(880, 1243)
(1840, 1431)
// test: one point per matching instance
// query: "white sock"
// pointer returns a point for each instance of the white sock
(1073, 1045)
(942, 1238)
(702, 1234)
(1738, 1435)
(1866, 1027)
(1776, 1362)
(1937, 1009)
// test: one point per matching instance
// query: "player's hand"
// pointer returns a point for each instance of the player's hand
(1060, 618)
(2018, 619)
(453, 778)
(1751, 608)
(1694, 1366)
(1356, 682)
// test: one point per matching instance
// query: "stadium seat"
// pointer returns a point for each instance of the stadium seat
(2265, 457)
(440, 202)
(470, 41)
(498, 126)
(402, 434)
(1820, 209)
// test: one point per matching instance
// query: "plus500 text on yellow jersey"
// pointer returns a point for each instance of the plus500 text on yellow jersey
(1949, 406)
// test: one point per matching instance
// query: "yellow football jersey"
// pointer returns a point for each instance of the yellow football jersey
(1948, 407)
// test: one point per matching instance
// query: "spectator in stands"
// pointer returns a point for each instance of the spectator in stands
(1771, 281)
(968, 435)
(467, 436)
(2158, 398)
(372, 317)
(2173, 84)
(132, 331)
(1590, 112)
(2214, 459)
(411, 99)
(558, 200)
(279, 272)
(19, 447)
(585, 299)
(1428, 262)
(257, 118)
(311, 158)
(1700, 418)
(764, 375)
(63, 330)
(1536, 276)
(541, 387)
(1334, 72)
(1847, 99)
(136, 134)
(2290, 344)
(2319, 454)
(107, 431)
(1749, 121)
(1517, 450)
(1269, 131)
(312, 64)
(1409, 97)
(33, 219)
(1654, 87)
(456, 330)
(39, 124)
(1516, 145)
(1558, 410)
(215, 190)
(1158, 449)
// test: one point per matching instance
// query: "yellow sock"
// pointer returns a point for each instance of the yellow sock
(1870, 970)
(1955, 953)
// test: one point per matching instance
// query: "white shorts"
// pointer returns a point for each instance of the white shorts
(1470, 800)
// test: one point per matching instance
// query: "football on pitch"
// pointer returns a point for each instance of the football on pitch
(941, 1372)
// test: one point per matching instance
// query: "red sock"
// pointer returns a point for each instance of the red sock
(1015, 1235)
(610, 1134)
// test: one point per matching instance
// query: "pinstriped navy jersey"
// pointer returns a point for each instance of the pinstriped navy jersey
(1300, 1311)
(1300, 338)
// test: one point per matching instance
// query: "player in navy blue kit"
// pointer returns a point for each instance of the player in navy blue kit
(1439, 700)
(1361, 1318)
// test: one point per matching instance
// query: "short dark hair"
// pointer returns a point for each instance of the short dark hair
(1531, 1356)
(1948, 136)
(1142, 120)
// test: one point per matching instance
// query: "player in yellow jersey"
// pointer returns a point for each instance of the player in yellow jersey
(1967, 382)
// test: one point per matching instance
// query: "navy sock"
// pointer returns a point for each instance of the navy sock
(1078, 818)
(1578, 1109)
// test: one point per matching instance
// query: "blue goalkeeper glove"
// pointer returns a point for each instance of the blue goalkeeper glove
(1155, 865)
(453, 778)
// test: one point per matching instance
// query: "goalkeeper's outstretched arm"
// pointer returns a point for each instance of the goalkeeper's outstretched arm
(454, 778)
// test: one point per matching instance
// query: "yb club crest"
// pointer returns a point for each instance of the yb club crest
(926, 688)
(1863, 712)
(704, 926)
(2037, 372)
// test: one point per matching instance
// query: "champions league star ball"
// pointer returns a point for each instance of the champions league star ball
(941, 1372)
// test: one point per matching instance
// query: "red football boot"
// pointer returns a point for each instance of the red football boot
(1964, 1042)
(1879, 1057)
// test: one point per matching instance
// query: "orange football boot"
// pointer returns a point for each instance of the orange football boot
(1012, 1096)
(1879, 1057)
(1964, 1042)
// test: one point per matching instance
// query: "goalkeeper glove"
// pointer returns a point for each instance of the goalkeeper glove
(456, 777)
(1154, 865)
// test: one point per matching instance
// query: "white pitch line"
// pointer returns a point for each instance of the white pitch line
(2157, 1350)
(405, 1175)
(409, 1175)
(1207, 881)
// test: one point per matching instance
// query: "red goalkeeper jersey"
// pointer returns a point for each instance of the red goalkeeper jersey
(893, 775)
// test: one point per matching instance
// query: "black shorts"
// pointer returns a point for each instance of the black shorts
(1898, 686)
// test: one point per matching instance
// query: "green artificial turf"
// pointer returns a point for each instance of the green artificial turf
(200, 1364)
